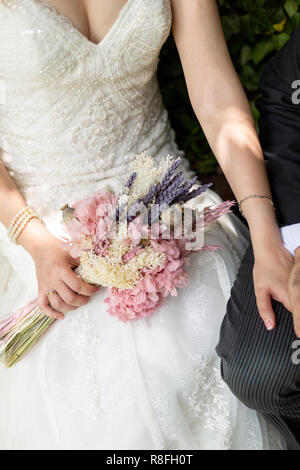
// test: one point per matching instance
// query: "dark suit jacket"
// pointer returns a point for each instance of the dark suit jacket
(280, 128)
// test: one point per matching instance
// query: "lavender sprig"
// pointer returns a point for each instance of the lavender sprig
(187, 186)
(131, 180)
(155, 211)
(173, 189)
(166, 179)
(195, 193)
(150, 195)
(169, 196)
(174, 183)
(119, 210)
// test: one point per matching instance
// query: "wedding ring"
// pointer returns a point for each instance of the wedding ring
(50, 292)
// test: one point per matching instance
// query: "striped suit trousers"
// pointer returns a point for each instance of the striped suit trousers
(257, 364)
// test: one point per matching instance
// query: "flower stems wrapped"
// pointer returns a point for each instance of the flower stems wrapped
(20, 331)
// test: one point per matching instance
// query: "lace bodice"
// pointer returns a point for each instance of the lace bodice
(74, 112)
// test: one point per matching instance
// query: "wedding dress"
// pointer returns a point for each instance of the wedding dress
(72, 115)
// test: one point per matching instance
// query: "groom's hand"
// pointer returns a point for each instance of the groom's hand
(272, 270)
(294, 291)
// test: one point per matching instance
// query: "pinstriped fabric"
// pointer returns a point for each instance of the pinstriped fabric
(257, 364)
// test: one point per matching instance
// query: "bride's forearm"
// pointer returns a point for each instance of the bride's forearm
(35, 237)
(223, 111)
(11, 199)
(235, 143)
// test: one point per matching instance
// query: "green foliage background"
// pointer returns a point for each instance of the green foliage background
(254, 29)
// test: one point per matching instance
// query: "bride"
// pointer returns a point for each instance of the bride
(79, 99)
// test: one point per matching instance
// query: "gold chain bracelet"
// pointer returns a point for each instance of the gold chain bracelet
(252, 196)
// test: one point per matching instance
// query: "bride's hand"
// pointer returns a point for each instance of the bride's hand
(294, 290)
(271, 274)
(55, 272)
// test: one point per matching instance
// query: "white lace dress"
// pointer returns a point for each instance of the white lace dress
(72, 114)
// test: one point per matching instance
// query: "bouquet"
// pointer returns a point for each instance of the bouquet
(135, 243)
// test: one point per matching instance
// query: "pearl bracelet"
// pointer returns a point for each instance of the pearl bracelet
(20, 222)
(23, 216)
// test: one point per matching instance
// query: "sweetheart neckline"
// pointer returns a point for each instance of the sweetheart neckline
(54, 11)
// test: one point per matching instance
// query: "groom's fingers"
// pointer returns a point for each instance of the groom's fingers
(265, 308)
(296, 315)
(295, 308)
(295, 297)
(294, 291)
(282, 296)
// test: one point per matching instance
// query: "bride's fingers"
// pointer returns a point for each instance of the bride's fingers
(47, 309)
(70, 297)
(74, 262)
(59, 305)
(265, 308)
(74, 282)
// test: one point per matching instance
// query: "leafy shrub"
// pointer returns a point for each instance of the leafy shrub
(254, 29)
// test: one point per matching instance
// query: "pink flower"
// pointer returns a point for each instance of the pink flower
(135, 230)
(91, 209)
(76, 231)
(153, 288)
(131, 254)
(94, 218)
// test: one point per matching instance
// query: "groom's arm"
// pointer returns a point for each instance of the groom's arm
(280, 135)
